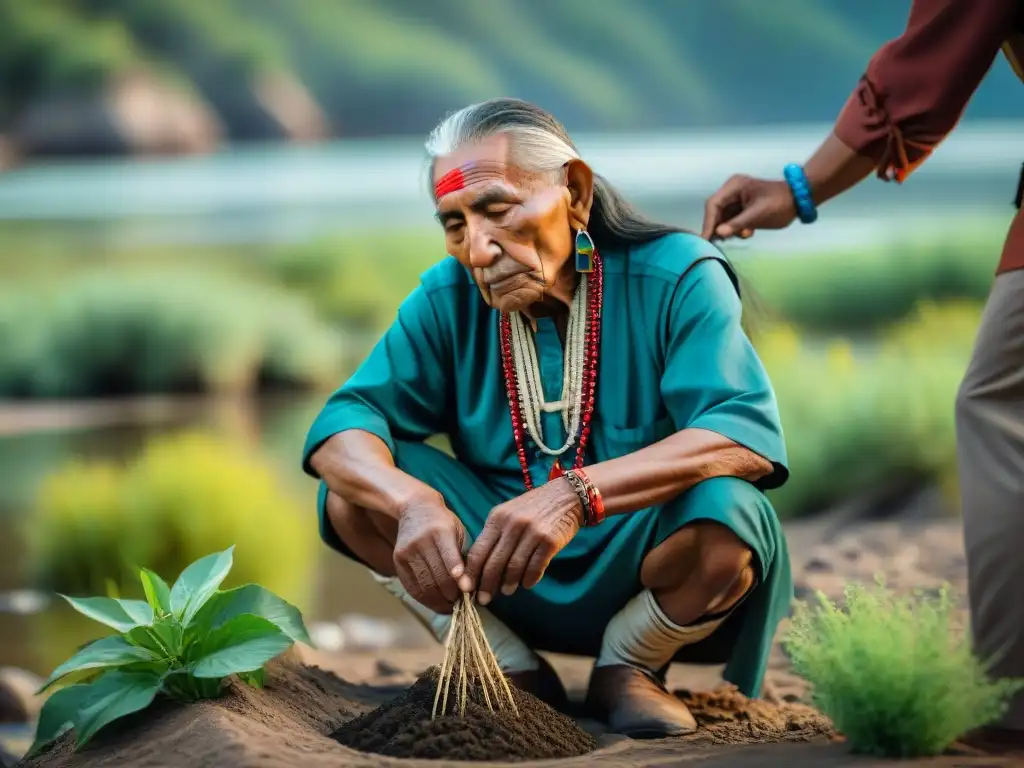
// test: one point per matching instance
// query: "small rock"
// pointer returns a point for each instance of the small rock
(18, 700)
(12, 709)
(327, 636)
(371, 633)
(368, 633)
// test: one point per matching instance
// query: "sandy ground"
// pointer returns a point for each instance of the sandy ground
(288, 724)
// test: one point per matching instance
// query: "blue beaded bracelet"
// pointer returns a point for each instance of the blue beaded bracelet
(806, 210)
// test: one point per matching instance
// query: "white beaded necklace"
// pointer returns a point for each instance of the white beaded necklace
(527, 370)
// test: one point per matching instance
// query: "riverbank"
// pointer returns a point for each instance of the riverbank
(910, 543)
(307, 702)
(25, 418)
(262, 193)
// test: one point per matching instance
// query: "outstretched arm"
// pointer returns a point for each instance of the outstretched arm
(911, 96)
(913, 93)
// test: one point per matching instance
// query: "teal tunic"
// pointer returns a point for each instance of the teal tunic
(673, 356)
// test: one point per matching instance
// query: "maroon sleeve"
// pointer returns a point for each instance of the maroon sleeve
(917, 86)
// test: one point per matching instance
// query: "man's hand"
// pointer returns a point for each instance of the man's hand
(744, 204)
(521, 537)
(428, 554)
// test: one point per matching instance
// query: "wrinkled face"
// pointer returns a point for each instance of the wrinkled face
(512, 229)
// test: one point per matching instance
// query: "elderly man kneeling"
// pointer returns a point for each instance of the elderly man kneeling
(613, 432)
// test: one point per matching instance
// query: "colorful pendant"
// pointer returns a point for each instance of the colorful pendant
(584, 252)
(556, 471)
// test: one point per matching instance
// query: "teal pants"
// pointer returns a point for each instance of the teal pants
(594, 577)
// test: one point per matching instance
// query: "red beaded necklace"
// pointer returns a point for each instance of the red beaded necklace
(593, 343)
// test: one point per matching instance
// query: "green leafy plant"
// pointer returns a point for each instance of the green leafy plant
(894, 673)
(184, 641)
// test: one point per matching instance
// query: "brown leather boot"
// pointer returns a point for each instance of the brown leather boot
(636, 704)
(543, 683)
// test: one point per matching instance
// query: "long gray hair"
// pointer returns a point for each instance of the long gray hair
(541, 144)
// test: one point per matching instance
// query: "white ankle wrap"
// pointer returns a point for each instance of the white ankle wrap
(512, 653)
(642, 636)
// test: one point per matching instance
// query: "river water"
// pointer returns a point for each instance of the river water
(260, 194)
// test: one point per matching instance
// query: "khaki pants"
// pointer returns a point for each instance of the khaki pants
(990, 453)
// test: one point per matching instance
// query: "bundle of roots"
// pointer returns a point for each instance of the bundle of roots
(469, 662)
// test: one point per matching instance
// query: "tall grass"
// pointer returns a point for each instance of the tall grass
(359, 280)
(866, 387)
(160, 330)
(95, 522)
(857, 417)
(861, 291)
(894, 673)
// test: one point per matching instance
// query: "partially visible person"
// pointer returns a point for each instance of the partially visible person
(613, 432)
(912, 95)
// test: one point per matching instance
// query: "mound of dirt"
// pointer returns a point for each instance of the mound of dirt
(726, 716)
(403, 728)
(246, 727)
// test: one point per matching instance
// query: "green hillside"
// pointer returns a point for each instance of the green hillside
(394, 66)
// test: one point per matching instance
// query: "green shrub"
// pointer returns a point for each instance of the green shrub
(184, 642)
(161, 330)
(360, 279)
(94, 523)
(357, 282)
(892, 673)
(864, 290)
(858, 417)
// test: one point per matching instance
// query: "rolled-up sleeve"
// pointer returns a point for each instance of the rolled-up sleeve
(400, 391)
(917, 86)
(713, 379)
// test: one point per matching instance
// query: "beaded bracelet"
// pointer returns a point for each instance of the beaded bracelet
(594, 496)
(590, 498)
(795, 177)
(580, 489)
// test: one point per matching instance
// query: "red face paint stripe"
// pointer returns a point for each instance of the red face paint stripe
(452, 181)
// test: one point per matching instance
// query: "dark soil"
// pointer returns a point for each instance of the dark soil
(403, 728)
